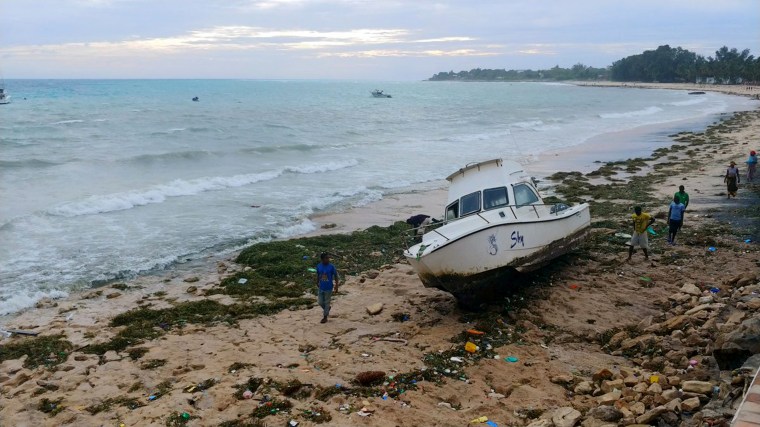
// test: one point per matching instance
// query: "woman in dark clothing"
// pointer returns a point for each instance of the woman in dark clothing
(732, 179)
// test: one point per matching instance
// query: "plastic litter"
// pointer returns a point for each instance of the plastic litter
(247, 394)
(491, 424)
(475, 332)
(292, 423)
(470, 347)
(242, 281)
(714, 290)
(313, 270)
(511, 359)
(712, 249)
(305, 257)
(651, 231)
(185, 416)
(654, 379)
(623, 235)
(574, 287)
(479, 420)
(456, 359)
(748, 241)
(152, 397)
(693, 362)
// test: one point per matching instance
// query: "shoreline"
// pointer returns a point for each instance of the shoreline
(553, 323)
(739, 90)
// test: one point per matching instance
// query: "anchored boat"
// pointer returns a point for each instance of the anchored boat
(495, 223)
(377, 93)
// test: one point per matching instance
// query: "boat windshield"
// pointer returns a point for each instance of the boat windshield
(524, 195)
(470, 203)
(495, 198)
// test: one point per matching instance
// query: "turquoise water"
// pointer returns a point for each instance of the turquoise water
(107, 179)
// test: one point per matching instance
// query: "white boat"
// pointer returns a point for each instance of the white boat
(377, 93)
(4, 97)
(495, 223)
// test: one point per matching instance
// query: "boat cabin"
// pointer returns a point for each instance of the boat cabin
(489, 185)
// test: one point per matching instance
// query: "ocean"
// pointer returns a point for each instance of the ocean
(106, 179)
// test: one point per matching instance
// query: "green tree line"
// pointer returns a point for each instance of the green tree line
(576, 72)
(664, 64)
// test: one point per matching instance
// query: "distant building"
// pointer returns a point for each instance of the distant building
(706, 80)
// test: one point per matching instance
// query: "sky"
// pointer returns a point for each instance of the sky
(351, 39)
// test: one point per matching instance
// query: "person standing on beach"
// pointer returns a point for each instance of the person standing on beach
(326, 275)
(675, 218)
(732, 179)
(683, 196)
(641, 220)
(751, 166)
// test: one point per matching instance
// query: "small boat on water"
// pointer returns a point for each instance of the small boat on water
(377, 93)
(4, 97)
(698, 92)
(495, 223)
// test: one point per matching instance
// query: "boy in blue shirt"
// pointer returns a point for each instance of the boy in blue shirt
(675, 218)
(326, 274)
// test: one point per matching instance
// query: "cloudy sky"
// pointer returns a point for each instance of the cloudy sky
(350, 39)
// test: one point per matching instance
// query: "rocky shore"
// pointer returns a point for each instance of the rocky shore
(591, 340)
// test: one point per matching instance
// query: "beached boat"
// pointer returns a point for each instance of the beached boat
(4, 97)
(377, 93)
(698, 92)
(495, 224)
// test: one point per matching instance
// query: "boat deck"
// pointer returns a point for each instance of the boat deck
(748, 414)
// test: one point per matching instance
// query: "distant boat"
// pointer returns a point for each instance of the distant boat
(196, 99)
(4, 97)
(377, 93)
(495, 223)
(699, 92)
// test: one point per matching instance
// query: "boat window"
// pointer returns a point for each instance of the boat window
(495, 197)
(524, 195)
(470, 203)
(452, 212)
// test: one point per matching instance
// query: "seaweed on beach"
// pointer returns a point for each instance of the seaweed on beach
(48, 350)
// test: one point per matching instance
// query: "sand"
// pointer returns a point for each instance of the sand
(562, 315)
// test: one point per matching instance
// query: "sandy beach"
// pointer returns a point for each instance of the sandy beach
(590, 340)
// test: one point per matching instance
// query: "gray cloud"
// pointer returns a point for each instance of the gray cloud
(350, 38)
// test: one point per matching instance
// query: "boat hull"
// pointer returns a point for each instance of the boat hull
(480, 259)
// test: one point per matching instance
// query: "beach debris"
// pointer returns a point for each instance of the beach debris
(712, 249)
(389, 339)
(369, 378)
(470, 347)
(456, 359)
(475, 332)
(479, 420)
(623, 235)
(714, 290)
(311, 270)
(651, 231)
(490, 423)
(113, 295)
(242, 281)
(191, 289)
(292, 423)
(574, 287)
(192, 279)
(511, 359)
(375, 309)
(446, 405)
(401, 317)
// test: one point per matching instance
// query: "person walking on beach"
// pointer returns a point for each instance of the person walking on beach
(641, 220)
(732, 179)
(675, 218)
(683, 196)
(751, 166)
(326, 275)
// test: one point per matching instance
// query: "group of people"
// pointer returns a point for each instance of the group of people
(642, 222)
(732, 178)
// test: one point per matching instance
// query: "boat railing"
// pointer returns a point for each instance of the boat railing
(413, 234)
